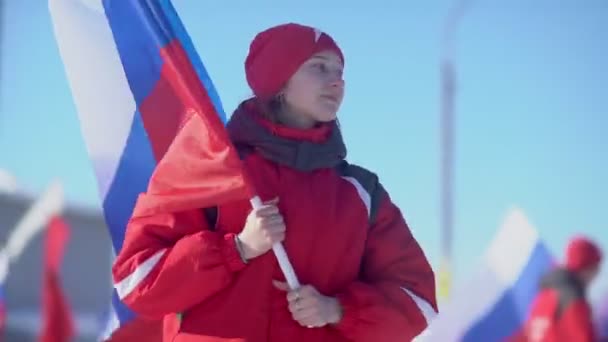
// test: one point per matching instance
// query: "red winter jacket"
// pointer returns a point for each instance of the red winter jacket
(344, 237)
(560, 312)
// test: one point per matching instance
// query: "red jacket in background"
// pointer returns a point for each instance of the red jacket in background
(344, 236)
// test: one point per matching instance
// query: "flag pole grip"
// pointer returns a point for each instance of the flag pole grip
(280, 254)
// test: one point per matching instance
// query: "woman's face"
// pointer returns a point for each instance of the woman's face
(315, 92)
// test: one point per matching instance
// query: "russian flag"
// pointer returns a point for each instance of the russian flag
(145, 104)
(57, 318)
(494, 303)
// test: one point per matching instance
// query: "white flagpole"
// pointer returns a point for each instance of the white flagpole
(281, 254)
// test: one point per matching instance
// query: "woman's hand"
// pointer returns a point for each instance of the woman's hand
(264, 227)
(310, 308)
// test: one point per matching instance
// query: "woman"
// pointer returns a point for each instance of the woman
(211, 273)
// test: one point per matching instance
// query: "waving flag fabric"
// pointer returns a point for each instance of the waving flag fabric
(494, 303)
(58, 323)
(145, 102)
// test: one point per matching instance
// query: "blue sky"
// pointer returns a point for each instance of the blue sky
(532, 107)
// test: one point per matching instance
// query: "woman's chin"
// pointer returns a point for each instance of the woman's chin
(327, 114)
(327, 118)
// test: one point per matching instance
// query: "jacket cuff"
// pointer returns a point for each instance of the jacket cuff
(350, 314)
(231, 254)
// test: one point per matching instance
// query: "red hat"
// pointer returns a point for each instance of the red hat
(276, 54)
(582, 253)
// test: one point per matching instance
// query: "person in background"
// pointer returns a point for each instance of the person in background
(561, 311)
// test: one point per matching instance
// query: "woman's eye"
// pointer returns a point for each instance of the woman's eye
(320, 67)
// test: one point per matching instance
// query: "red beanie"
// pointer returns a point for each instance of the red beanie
(582, 253)
(276, 54)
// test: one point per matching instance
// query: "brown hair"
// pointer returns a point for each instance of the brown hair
(270, 108)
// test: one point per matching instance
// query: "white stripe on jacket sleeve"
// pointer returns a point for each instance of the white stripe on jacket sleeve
(129, 283)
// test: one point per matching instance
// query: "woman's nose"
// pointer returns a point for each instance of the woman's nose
(337, 81)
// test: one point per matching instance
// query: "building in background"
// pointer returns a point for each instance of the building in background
(86, 277)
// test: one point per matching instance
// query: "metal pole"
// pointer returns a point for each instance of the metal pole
(448, 91)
